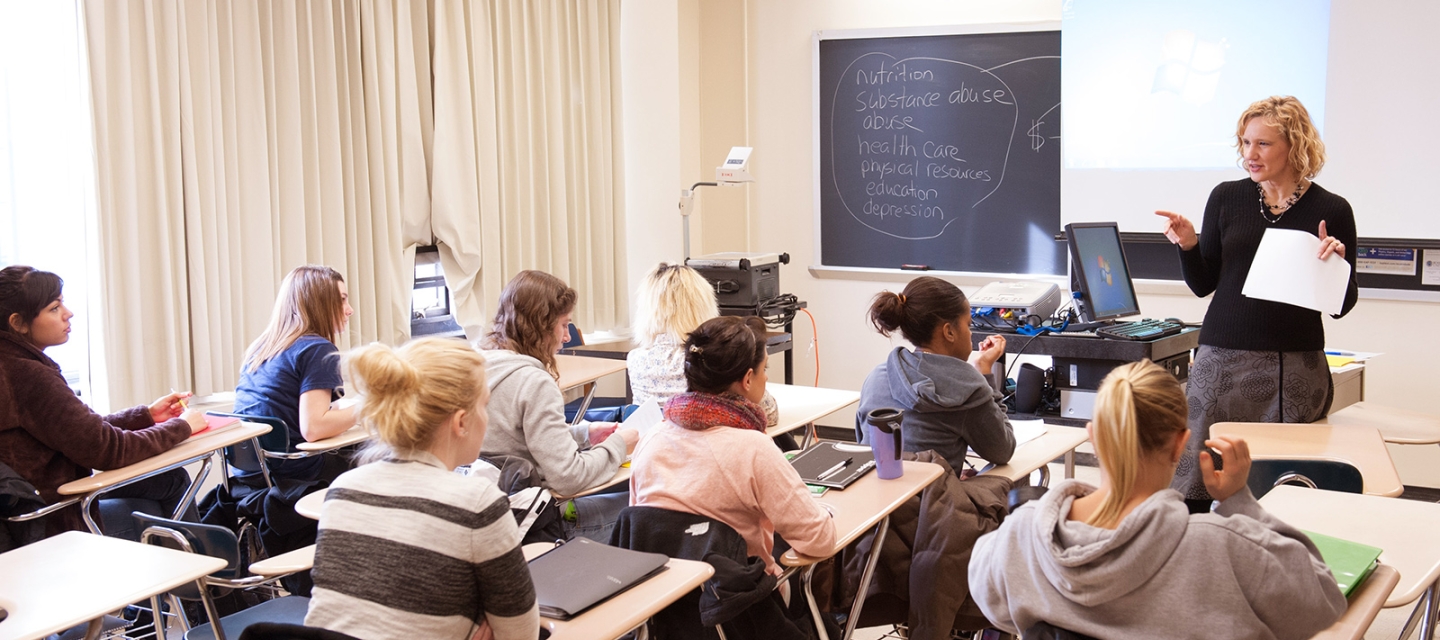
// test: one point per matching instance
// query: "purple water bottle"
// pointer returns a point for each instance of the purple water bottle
(885, 441)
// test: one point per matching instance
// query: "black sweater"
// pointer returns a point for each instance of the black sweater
(1220, 263)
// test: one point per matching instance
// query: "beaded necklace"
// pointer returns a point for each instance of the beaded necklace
(1267, 212)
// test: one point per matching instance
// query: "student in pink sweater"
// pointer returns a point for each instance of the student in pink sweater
(711, 456)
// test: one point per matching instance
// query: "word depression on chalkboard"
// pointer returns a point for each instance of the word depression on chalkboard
(941, 151)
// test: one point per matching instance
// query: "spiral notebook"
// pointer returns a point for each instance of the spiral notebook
(833, 465)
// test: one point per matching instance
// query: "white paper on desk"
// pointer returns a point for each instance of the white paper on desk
(645, 418)
(1285, 270)
(1025, 431)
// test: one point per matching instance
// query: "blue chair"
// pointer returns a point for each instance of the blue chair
(250, 456)
(1316, 474)
(219, 542)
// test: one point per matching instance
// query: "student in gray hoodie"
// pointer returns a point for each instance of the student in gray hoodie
(527, 411)
(1127, 560)
(944, 386)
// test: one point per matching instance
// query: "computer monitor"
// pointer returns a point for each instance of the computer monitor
(1098, 271)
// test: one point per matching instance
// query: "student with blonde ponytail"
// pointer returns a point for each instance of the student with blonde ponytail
(407, 547)
(1127, 559)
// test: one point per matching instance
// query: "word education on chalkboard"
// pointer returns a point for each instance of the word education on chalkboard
(940, 151)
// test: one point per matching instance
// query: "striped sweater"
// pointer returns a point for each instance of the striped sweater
(408, 549)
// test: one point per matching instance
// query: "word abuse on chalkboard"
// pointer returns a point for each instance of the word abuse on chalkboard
(941, 151)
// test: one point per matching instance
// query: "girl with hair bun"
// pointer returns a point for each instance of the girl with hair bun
(48, 436)
(407, 546)
(943, 385)
(1128, 559)
(712, 457)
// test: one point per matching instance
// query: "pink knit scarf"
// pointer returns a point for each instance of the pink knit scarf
(698, 411)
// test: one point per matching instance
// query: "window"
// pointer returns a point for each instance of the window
(47, 166)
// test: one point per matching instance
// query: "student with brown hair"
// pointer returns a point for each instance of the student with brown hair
(292, 370)
(48, 436)
(1128, 560)
(527, 411)
(711, 456)
(943, 386)
(407, 547)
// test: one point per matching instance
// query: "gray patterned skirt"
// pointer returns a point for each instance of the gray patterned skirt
(1230, 385)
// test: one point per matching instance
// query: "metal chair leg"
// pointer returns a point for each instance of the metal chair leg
(805, 579)
(1421, 612)
(865, 577)
(210, 611)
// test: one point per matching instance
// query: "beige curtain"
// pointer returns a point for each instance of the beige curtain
(144, 312)
(237, 139)
(527, 152)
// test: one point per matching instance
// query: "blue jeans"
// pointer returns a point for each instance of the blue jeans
(595, 516)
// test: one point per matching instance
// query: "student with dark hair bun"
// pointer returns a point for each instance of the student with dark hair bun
(950, 405)
(712, 457)
(47, 435)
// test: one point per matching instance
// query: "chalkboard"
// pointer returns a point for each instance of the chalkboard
(940, 150)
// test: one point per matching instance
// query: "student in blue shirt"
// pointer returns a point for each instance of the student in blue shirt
(292, 370)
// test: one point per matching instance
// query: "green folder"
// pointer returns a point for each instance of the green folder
(1351, 562)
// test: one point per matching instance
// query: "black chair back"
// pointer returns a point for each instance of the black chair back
(1046, 631)
(1316, 474)
(243, 455)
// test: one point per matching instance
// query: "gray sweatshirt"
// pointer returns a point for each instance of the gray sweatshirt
(949, 406)
(527, 419)
(1163, 573)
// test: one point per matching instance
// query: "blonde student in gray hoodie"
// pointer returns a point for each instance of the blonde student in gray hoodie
(527, 411)
(1127, 560)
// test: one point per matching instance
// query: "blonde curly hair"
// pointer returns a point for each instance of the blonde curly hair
(1292, 120)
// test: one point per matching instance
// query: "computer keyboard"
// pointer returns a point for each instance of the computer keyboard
(1146, 329)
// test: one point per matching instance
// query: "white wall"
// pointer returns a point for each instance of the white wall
(781, 205)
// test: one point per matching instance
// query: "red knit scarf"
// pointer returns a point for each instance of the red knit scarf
(699, 411)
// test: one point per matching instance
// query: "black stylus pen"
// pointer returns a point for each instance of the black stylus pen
(835, 469)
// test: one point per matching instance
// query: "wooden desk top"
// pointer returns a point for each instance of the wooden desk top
(859, 507)
(353, 435)
(1360, 446)
(302, 559)
(69, 579)
(195, 448)
(309, 506)
(800, 406)
(1365, 602)
(1057, 441)
(579, 370)
(1402, 529)
(618, 615)
(1399, 426)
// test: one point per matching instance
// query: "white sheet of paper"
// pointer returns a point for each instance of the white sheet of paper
(645, 418)
(1027, 430)
(1285, 270)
